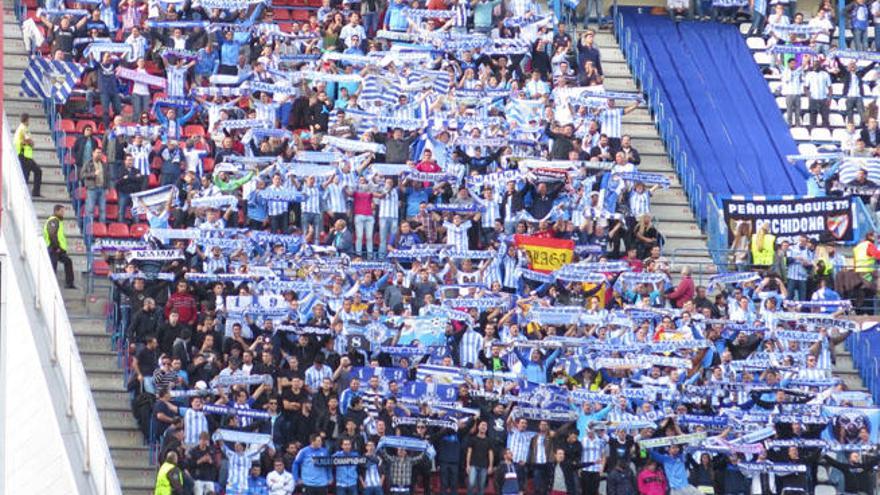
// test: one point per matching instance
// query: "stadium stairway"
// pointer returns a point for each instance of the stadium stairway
(721, 115)
(685, 244)
(87, 312)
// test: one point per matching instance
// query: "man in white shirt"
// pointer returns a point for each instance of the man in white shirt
(818, 85)
(279, 481)
(792, 89)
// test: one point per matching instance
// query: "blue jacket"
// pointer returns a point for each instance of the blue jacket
(676, 472)
(346, 475)
(537, 372)
(305, 470)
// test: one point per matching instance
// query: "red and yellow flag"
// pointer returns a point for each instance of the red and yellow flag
(545, 254)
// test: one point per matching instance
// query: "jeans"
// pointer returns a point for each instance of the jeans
(313, 219)
(363, 231)
(448, 478)
(96, 195)
(819, 107)
(278, 223)
(386, 230)
(149, 385)
(372, 490)
(139, 105)
(593, 6)
(757, 23)
(793, 110)
(346, 490)
(797, 289)
(106, 101)
(539, 476)
(476, 482)
(371, 23)
(123, 202)
(859, 39)
(853, 105)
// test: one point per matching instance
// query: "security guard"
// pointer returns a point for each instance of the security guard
(865, 256)
(24, 148)
(56, 241)
(169, 479)
(763, 246)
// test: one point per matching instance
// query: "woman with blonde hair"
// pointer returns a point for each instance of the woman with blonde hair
(645, 236)
(763, 246)
(740, 246)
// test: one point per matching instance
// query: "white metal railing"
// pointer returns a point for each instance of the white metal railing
(24, 232)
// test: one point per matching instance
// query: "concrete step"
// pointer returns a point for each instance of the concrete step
(112, 401)
(124, 438)
(94, 343)
(136, 479)
(130, 456)
(103, 362)
(107, 381)
(116, 419)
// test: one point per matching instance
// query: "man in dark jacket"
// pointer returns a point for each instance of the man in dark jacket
(560, 475)
(396, 145)
(620, 480)
(84, 146)
(129, 182)
(145, 322)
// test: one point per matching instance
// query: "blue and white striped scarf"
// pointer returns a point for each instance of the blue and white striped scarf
(353, 145)
(150, 131)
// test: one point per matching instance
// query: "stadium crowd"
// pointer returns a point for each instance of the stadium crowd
(393, 251)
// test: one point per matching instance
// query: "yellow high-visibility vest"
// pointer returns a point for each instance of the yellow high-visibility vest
(763, 255)
(863, 263)
(62, 239)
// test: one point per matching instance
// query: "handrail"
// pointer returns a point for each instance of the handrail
(22, 229)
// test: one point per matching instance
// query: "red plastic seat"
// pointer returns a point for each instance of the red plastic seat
(69, 141)
(152, 181)
(80, 125)
(118, 231)
(66, 125)
(139, 230)
(193, 130)
(300, 15)
(208, 165)
(112, 211)
(81, 193)
(100, 268)
(99, 229)
(112, 196)
(282, 14)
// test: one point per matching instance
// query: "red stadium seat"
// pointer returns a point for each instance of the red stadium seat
(193, 130)
(66, 125)
(300, 15)
(118, 231)
(100, 268)
(208, 165)
(69, 141)
(112, 196)
(99, 229)
(152, 181)
(80, 125)
(81, 193)
(112, 211)
(282, 15)
(139, 230)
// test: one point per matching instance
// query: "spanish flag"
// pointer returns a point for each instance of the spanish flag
(545, 254)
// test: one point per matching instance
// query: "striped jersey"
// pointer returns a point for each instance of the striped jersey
(469, 348)
(389, 205)
(611, 122)
(312, 203)
(275, 207)
(334, 195)
(176, 81)
(194, 423)
(518, 443)
(457, 235)
(141, 156)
